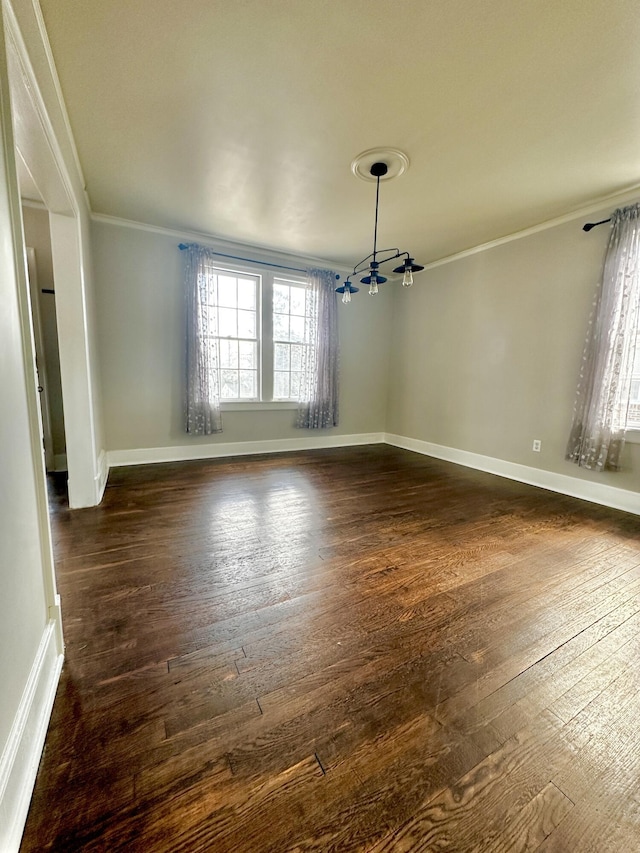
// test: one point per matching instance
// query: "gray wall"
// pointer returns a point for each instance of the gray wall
(138, 279)
(486, 350)
(482, 354)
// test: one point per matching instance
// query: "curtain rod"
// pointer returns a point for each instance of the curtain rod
(589, 225)
(183, 246)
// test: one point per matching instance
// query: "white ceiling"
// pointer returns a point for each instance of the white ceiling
(240, 118)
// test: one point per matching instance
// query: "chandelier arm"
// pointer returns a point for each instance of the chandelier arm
(398, 254)
(361, 265)
(364, 262)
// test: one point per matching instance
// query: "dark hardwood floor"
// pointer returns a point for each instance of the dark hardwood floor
(357, 649)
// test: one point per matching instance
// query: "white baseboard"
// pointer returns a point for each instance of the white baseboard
(586, 490)
(21, 755)
(60, 462)
(150, 455)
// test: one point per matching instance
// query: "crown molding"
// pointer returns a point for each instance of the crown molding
(630, 194)
(262, 253)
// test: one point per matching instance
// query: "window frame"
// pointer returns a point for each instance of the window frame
(264, 307)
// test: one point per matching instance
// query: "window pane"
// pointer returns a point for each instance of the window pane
(248, 358)
(296, 357)
(248, 384)
(297, 300)
(295, 385)
(228, 354)
(227, 291)
(247, 293)
(281, 384)
(280, 327)
(227, 323)
(229, 384)
(297, 329)
(281, 357)
(246, 324)
(281, 298)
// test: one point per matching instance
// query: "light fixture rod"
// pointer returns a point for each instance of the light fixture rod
(375, 229)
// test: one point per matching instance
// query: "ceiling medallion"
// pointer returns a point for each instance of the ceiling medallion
(379, 164)
(396, 162)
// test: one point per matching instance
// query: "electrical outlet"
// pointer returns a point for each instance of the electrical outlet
(537, 445)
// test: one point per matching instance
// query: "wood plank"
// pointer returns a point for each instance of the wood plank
(463, 812)
(526, 830)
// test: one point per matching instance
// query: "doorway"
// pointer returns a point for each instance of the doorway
(55, 182)
(43, 309)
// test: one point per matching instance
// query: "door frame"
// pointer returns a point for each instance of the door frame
(40, 149)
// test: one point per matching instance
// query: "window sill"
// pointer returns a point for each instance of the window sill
(632, 436)
(258, 406)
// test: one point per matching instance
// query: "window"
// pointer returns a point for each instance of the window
(288, 337)
(260, 335)
(235, 298)
(233, 359)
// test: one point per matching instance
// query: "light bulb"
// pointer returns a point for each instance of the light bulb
(373, 287)
(407, 279)
(346, 296)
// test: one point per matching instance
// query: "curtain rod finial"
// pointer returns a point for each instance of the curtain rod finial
(589, 225)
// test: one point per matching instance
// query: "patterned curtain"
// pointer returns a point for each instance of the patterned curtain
(604, 386)
(202, 403)
(318, 401)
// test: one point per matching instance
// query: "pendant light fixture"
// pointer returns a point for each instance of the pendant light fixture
(379, 164)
